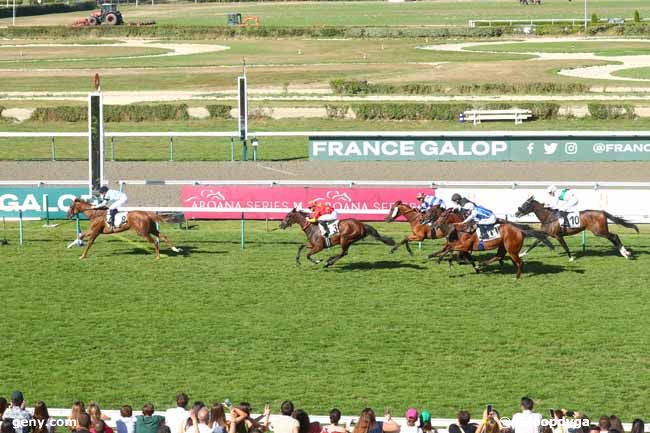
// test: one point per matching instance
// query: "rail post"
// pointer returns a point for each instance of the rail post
(112, 148)
(53, 144)
(584, 241)
(46, 207)
(20, 227)
(245, 157)
(171, 148)
(78, 226)
(232, 149)
(242, 231)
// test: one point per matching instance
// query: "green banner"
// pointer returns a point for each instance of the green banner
(460, 148)
(33, 201)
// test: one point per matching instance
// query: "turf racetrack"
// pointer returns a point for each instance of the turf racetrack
(376, 329)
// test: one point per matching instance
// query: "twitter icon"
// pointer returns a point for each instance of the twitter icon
(550, 148)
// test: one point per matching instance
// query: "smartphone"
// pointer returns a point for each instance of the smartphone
(488, 408)
(552, 412)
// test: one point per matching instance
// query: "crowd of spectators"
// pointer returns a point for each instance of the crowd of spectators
(202, 418)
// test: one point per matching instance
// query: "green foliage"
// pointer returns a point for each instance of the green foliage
(219, 111)
(362, 87)
(637, 16)
(336, 111)
(51, 8)
(113, 113)
(396, 111)
(594, 18)
(611, 111)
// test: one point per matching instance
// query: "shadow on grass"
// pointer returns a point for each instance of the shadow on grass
(531, 269)
(373, 266)
(185, 251)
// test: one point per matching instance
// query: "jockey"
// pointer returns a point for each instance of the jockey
(428, 201)
(563, 200)
(322, 213)
(478, 214)
(113, 199)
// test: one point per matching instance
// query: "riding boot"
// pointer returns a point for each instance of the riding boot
(111, 219)
(326, 232)
(565, 216)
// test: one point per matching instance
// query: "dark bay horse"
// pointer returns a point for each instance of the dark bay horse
(419, 230)
(464, 239)
(144, 223)
(593, 220)
(350, 231)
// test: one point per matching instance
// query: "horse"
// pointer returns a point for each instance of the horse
(350, 231)
(419, 230)
(144, 223)
(593, 220)
(463, 239)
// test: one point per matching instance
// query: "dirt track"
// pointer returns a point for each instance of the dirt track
(304, 170)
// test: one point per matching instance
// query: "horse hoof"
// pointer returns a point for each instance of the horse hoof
(176, 250)
(82, 258)
(523, 254)
(571, 259)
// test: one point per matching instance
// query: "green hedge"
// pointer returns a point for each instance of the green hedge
(611, 111)
(445, 111)
(52, 8)
(220, 32)
(219, 111)
(113, 113)
(362, 87)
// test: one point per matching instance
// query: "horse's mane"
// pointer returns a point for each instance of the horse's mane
(81, 200)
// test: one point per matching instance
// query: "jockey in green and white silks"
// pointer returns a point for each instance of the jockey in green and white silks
(113, 199)
(562, 199)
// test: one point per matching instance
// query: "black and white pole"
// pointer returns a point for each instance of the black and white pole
(95, 139)
(243, 110)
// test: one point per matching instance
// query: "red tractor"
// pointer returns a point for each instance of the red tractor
(108, 14)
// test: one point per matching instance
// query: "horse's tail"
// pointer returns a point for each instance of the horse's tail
(620, 221)
(370, 230)
(540, 236)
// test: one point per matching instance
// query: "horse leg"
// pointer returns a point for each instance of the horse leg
(154, 243)
(614, 239)
(92, 238)
(344, 252)
(166, 240)
(529, 249)
(501, 252)
(302, 247)
(519, 264)
(562, 242)
(313, 251)
(404, 241)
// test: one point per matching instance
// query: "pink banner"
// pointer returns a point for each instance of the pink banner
(345, 200)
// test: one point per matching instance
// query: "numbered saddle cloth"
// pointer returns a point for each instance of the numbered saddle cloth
(489, 232)
(332, 228)
(120, 219)
(572, 219)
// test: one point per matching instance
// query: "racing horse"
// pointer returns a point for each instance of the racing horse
(350, 231)
(463, 238)
(593, 220)
(419, 230)
(144, 224)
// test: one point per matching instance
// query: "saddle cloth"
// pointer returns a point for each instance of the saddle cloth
(120, 219)
(489, 232)
(573, 218)
(333, 228)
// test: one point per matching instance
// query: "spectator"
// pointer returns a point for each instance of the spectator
(83, 421)
(3, 406)
(333, 426)
(148, 422)
(7, 426)
(638, 426)
(604, 424)
(463, 426)
(42, 416)
(411, 416)
(368, 423)
(425, 423)
(100, 426)
(126, 422)
(305, 425)
(95, 413)
(285, 423)
(593, 428)
(77, 409)
(187, 423)
(200, 421)
(175, 417)
(218, 423)
(616, 424)
(527, 421)
(17, 412)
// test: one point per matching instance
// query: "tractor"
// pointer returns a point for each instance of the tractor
(107, 14)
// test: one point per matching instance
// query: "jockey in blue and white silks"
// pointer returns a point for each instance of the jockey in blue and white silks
(428, 201)
(482, 216)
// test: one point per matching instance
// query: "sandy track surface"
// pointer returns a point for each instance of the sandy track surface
(592, 72)
(307, 170)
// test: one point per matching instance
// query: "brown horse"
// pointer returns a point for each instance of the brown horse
(593, 220)
(419, 230)
(350, 231)
(463, 239)
(144, 223)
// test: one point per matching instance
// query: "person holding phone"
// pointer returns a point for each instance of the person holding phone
(527, 421)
